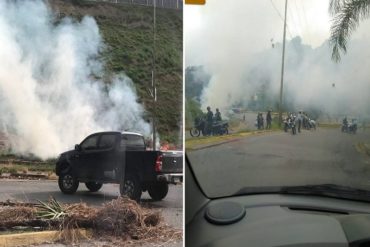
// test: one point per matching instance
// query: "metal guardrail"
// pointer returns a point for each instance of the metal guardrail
(168, 4)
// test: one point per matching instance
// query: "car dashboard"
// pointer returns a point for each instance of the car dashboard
(273, 220)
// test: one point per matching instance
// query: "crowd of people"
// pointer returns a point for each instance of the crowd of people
(211, 119)
(301, 119)
(260, 120)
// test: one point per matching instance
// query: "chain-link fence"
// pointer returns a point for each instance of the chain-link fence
(169, 4)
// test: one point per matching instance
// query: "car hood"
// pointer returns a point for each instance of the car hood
(67, 153)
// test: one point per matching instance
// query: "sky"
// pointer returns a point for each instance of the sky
(255, 23)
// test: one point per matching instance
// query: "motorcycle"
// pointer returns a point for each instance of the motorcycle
(311, 124)
(199, 127)
(350, 128)
(217, 128)
(290, 124)
(220, 128)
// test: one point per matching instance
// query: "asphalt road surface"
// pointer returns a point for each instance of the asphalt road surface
(281, 159)
(32, 190)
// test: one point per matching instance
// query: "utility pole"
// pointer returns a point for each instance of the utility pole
(282, 69)
(154, 90)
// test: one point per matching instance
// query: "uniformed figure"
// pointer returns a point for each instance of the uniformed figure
(268, 119)
(299, 118)
(260, 121)
(218, 115)
(209, 119)
(345, 121)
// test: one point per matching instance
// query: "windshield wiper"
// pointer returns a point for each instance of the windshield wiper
(327, 190)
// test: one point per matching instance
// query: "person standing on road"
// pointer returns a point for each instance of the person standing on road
(345, 121)
(268, 119)
(304, 120)
(299, 119)
(259, 121)
(209, 119)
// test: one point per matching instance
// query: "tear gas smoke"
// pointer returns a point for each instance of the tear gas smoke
(49, 95)
(236, 50)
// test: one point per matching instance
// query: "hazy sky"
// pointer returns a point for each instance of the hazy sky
(220, 24)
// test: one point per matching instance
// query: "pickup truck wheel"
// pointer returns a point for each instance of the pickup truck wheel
(158, 191)
(68, 184)
(93, 186)
(131, 187)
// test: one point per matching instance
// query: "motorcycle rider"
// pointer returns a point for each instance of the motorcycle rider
(345, 123)
(218, 115)
(268, 119)
(209, 120)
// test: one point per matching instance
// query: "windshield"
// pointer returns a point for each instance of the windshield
(268, 108)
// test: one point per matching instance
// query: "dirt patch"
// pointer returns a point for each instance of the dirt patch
(363, 148)
(20, 213)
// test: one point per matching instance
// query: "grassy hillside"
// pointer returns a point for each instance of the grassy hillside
(128, 32)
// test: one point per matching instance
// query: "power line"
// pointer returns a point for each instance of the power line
(306, 22)
(297, 18)
(292, 21)
(287, 27)
(282, 19)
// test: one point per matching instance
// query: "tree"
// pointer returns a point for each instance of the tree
(347, 15)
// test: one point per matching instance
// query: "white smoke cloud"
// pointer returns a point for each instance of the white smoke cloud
(49, 95)
(233, 43)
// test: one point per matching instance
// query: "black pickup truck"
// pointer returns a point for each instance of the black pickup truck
(122, 158)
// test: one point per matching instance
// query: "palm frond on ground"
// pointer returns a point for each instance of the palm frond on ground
(347, 15)
(50, 210)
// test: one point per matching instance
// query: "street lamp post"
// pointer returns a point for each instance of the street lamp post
(282, 69)
(154, 91)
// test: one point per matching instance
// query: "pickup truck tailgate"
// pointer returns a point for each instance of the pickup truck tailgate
(172, 162)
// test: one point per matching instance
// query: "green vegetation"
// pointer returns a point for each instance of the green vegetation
(329, 125)
(10, 163)
(200, 142)
(346, 18)
(50, 210)
(127, 32)
(6, 169)
(192, 110)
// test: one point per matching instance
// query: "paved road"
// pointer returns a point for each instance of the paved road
(276, 159)
(31, 190)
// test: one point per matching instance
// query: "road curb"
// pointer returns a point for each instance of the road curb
(32, 238)
(214, 144)
(236, 138)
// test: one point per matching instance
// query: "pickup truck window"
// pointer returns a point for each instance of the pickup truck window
(107, 141)
(132, 141)
(90, 143)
